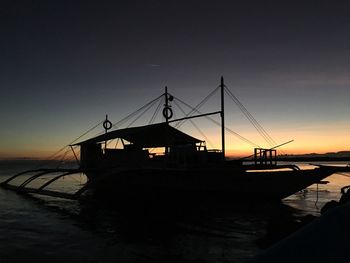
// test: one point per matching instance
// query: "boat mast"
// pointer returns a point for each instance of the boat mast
(165, 114)
(166, 106)
(222, 86)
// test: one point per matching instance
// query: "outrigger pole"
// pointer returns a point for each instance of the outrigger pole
(222, 86)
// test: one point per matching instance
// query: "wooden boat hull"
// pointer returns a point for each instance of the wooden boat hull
(228, 183)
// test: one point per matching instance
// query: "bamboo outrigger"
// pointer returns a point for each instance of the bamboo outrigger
(23, 187)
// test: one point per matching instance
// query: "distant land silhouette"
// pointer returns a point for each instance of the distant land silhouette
(330, 156)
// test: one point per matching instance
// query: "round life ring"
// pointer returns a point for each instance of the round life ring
(167, 112)
(107, 124)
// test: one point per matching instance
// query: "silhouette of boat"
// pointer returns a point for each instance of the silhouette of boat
(185, 168)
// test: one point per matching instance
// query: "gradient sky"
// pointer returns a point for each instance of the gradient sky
(65, 64)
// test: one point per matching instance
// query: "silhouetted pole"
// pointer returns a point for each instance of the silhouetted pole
(106, 130)
(107, 125)
(166, 105)
(222, 86)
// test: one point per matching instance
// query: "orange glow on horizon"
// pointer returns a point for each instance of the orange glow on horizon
(237, 152)
(321, 139)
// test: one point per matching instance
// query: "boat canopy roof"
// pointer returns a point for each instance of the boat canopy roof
(149, 136)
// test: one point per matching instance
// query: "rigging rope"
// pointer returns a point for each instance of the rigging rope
(55, 155)
(197, 128)
(193, 110)
(145, 107)
(156, 112)
(119, 123)
(141, 114)
(217, 123)
(63, 158)
(52, 157)
(252, 120)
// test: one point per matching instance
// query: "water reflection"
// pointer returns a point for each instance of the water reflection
(153, 230)
(210, 231)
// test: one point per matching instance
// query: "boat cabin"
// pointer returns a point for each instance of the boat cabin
(156, 145)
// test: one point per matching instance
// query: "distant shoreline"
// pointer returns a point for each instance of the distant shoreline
(314, 159)
(306, 159)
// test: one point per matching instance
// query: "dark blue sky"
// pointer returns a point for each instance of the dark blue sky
(65, 64)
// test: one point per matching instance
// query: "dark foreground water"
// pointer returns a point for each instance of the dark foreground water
(43, 229)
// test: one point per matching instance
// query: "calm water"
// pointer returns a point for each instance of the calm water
(56, 230)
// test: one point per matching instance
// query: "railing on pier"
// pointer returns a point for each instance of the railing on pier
(265, 156)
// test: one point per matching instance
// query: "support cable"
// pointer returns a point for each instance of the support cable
(146, 108)
(142, 113)
(252, 120)
(131, 115)
(217, 123)
(52, 157)
(119, 123)
(199, 105)
(194, 125)
(155, 114)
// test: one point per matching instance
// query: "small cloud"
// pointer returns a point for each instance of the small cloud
(152, 65)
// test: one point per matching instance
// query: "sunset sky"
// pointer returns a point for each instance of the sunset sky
(66, 64)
